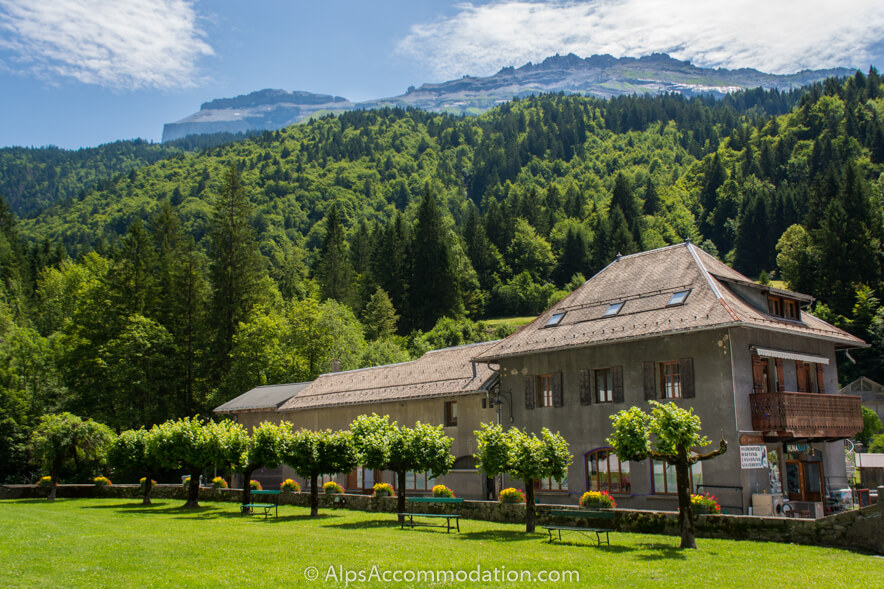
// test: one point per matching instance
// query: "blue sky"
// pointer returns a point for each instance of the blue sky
(82, 72)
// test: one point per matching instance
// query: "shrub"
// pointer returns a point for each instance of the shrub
(290, 486)
(101, 481)
(153, 483)
(255, 485)
(44, 482)
(219, 483)
(511, 495)
(705, 503)
(331, 487)
(597, 499)
(442, 491)
(383, 490)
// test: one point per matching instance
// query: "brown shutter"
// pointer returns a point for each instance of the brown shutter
(820, 379)
(781, 386)
(558, 399)
(802, 376)
(650, 381)
(351, 479)
(757, 374)
(585, 388)
(617, 378)
(686, 374)
(530, 392)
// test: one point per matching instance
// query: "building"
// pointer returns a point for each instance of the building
(675, 324)
(871, 392)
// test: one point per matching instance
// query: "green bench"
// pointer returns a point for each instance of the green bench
(249, 507)
(407, 519)
(583, 513)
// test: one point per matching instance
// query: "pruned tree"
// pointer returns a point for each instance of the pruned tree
(61, 439)
(313, 454)
(669, 433)
(129, 451)
(523, 456)
(385, 445)
(194, 444)
(267, 448)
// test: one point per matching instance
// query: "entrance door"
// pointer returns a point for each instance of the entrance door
(804, 480)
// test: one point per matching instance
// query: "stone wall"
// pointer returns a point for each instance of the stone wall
(855, 530)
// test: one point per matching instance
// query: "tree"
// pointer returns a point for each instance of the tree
(333, 270)
(871, 425)
(383, 445)
(313, 454)
(194, 444)
(523, 456)
(129, 451)
(63, 438)
(268, 446)
(380, 316)
(669, 433)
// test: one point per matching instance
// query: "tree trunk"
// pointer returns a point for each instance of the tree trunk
(148, 487)
(247, 485)
(314, 495)
(530, 511)
(193, 491)
(685, 512)
(400, 499)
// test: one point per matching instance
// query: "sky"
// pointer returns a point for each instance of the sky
(77, 73)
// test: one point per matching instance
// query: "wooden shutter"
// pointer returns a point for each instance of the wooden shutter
(530, 392)
(585, 388)
(820, 379)
(351, 479)
(617, 378)
(650, 381)
(686, 374)
(558, 397)
(781, 386)
(802, 376)
(757, 374)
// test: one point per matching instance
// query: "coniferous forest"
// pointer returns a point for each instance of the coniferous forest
(142, 282)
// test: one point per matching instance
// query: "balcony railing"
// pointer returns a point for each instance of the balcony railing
(806, 415)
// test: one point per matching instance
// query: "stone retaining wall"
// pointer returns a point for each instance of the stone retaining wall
(855, 530)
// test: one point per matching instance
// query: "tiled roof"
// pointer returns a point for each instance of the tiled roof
(645, 282)
(266, 397)
(440, 373)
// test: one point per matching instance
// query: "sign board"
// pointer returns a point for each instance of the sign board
(796, 448)
(753, 457)
(751, 439)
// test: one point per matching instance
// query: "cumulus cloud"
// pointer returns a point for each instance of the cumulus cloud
(114, 43)
(780, 36)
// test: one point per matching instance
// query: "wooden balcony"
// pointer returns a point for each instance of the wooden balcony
(783, 416)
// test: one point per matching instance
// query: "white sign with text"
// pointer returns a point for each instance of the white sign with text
(753, 457)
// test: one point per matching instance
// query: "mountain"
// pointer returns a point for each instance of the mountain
(600, 75)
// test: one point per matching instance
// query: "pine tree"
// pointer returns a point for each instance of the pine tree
(333, 270)
(379, 316)
(652, 204)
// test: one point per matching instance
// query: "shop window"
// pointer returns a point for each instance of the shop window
(665, 481)
(605, 472)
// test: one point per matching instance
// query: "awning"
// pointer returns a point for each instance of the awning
(769, 353)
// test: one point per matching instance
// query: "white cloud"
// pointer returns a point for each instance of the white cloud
(114, 43)
(777, 36)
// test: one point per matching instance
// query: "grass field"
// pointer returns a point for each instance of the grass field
(120, 543)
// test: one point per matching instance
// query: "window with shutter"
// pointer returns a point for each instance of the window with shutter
(670, 380)
(557, 394)
(617, 378)
(781, 381)
(604, 386)
(803, 375)
(820, 379)
(585, 388)
(650, 381)
(530, 392)
(686, 371)
(757, 374)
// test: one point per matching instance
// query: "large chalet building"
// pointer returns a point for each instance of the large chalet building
(672, 325)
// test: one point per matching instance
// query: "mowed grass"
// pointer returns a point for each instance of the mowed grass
(120, 543)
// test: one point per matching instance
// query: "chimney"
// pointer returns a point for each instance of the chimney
(335, 366)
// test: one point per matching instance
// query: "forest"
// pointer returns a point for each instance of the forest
(142, 282)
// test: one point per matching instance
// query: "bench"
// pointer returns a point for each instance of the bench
(407, 519)
(587, 513)
(248, 507)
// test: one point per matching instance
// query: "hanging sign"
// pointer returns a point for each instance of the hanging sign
(796, 448)
(753, 457)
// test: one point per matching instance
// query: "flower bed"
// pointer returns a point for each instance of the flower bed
(597, 500)
(383, 490)
(442, 491)
(290, 486)
(219, 483)
(332, 488)
(705, 504)
(512, 495)
(101, 481)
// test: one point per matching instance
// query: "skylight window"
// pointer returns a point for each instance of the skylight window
(678, 298)
(613, 309)
(555, 319)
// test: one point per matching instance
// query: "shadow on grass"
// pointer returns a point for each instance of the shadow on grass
(133, 506)
(659, 551)
(498, 536)
(366, 524)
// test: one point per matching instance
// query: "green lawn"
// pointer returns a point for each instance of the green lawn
(516, 321)
(119, 543)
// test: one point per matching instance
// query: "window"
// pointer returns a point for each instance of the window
(544, 391)
(418, 481)
(364, 478)
(790, 309)
(678, 298)
(555, 319)
(782, 307)
(613, 309)
(450, 413)
(605, 472)
(604, 387)
(320, 480)
(670, 380)
(665, 481)
(551, 484)
(775, 306)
